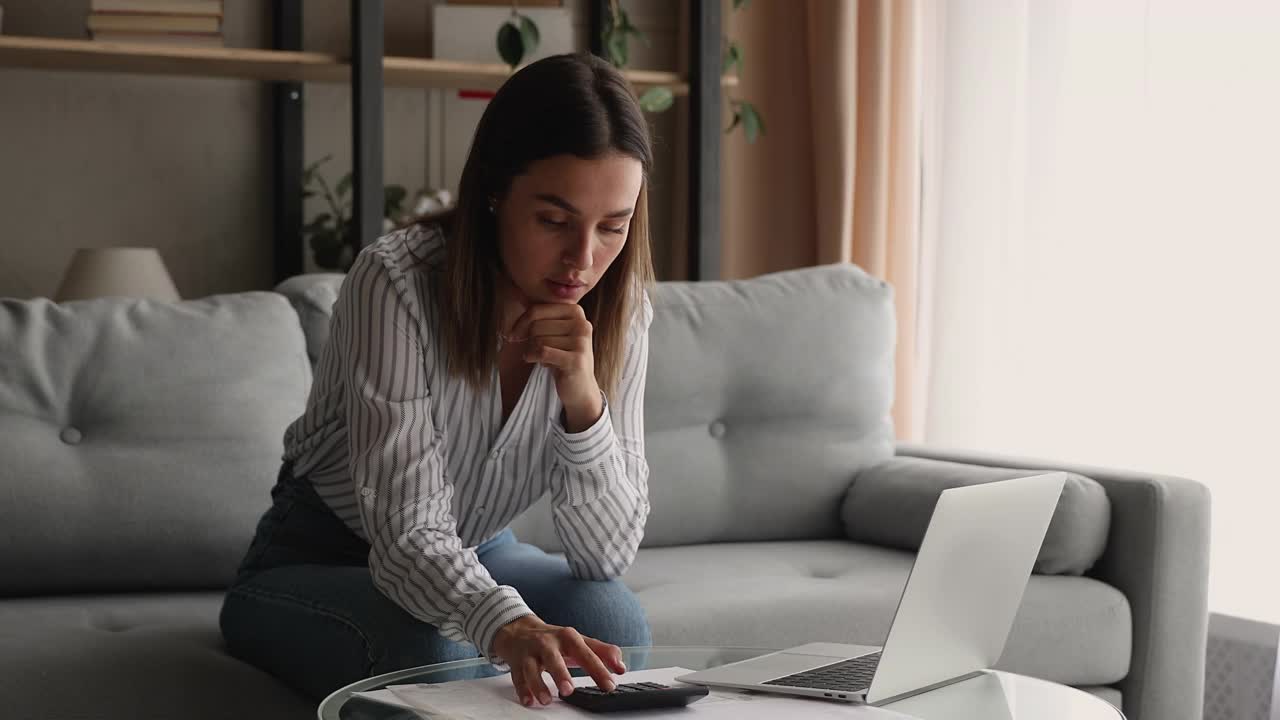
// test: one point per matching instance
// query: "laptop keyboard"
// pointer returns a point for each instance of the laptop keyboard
(853, 675)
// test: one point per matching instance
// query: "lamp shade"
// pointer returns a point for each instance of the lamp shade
(116, 272)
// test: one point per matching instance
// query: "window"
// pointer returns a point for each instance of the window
(1108, 251)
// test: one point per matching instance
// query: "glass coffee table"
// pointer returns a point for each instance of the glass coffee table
(991, 696)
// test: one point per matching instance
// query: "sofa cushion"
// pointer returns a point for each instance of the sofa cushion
(140, 438)
(1069, 629)
(765, 397)
(890, 504)
(130, 656)
(312, 297)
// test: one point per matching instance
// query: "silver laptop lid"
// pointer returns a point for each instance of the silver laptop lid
(966, 585)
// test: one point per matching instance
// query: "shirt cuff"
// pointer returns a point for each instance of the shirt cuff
(585, 449)
(498, 608)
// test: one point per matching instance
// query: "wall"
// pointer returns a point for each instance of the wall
(183, 164)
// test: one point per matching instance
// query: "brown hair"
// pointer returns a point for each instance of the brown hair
(574, 104)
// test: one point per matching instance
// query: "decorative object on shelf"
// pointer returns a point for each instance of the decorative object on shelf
(431, 203)
(518, 37)
(196, 23)
(137, 272)
(331, 234)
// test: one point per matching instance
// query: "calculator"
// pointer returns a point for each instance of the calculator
(634, 696)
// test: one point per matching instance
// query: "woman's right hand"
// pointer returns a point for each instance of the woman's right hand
(530, 646)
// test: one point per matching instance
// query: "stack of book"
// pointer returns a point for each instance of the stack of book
(164, 22)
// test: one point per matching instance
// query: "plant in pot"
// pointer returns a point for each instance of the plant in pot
(331, 234)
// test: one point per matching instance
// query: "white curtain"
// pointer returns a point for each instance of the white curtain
(1106, 222)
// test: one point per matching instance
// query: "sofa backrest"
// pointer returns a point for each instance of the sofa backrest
(139, 440)
(764, 398)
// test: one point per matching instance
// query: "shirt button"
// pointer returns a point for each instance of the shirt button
(716, 429)
(480, 510)
(366, 491)
(70, 436)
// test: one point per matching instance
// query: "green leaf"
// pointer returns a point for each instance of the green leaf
(529, 35)
(317, 223)
(739, 4)
(313, 167)
(624, 21)
(733, 58)
(656, 99)
(343, 186)
(737, 118)
(510, 44)
(752, 123)
(627, 28)
(616, 46)
(308, 194)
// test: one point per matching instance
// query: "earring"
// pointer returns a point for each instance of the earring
(493, 206)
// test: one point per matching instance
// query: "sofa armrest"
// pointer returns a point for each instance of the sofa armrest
(1157, 554)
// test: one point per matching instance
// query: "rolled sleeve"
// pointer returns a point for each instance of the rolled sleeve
(482, 624)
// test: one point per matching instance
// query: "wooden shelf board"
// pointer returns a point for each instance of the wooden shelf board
(270, 65)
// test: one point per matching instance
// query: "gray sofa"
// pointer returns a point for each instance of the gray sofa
(138, 442)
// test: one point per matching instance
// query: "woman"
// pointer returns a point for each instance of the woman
(472, 368)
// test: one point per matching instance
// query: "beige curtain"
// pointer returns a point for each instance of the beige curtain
(837, 177)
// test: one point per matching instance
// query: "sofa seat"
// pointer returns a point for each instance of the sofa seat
(145, 656)
(1072, 630)
(161, 655)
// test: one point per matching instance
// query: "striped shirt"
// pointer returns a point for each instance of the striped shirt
(422, 467)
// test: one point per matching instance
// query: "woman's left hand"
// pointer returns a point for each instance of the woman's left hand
(558, 335)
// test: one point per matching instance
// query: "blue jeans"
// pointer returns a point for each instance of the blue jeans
(304, 608)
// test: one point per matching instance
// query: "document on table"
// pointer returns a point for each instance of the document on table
(495, 699)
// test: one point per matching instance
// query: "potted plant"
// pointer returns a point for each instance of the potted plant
(331, 234)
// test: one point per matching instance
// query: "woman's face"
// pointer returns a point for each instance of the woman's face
(564, 221)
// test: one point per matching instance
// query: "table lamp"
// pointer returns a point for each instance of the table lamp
(116, 272)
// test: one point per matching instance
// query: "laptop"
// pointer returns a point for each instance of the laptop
(954, 615)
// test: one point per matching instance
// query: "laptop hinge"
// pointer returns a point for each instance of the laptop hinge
(925, 689)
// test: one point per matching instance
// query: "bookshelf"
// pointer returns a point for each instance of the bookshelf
(271, 65)
(287, 68)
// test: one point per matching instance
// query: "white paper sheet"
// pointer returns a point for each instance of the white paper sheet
(495, 699)
(388, 698)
